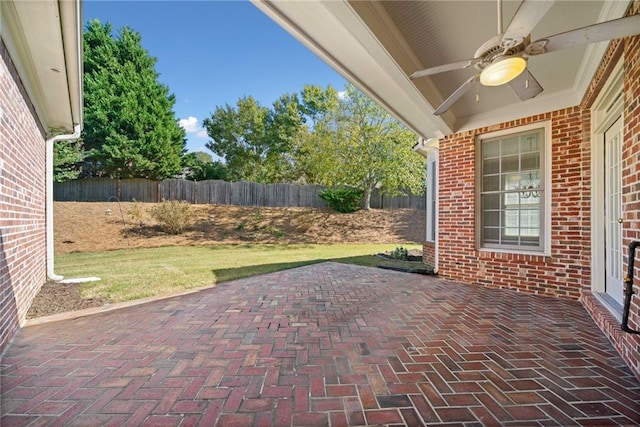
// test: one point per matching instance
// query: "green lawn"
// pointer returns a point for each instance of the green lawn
(130, 274)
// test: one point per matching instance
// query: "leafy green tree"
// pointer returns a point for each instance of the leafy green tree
(67, 156)
(200, 166)
(238, 135)
(318, 103)
(130, 128)
(359, 144)
(256, 141)
(285, 126)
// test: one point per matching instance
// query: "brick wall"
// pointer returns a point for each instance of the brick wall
(566, 273)
(22, 201)
(429, 253)
(560, 274)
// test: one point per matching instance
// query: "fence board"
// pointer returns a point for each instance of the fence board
(142, 190)
(86, 190)
(215, 192)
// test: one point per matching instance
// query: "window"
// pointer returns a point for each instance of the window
(512, 191)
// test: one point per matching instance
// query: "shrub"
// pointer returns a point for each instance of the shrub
(342, 199)
(173, 216)
(136, 212)
(400, 254)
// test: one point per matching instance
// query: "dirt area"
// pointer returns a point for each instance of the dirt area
(90, 227)
(56, 298)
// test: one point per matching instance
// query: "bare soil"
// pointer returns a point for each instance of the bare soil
(90, 227)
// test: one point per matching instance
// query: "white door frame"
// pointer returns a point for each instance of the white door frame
(605, 111)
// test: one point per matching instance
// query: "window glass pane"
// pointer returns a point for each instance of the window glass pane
(530, 161)
(510, 146)
(529, 144)
(510, 164)
(491, 235)
(491, 166)
(511, 181)
(490, 149)
(491, 201)
(491, 183)
(511, 226)
(491, 218)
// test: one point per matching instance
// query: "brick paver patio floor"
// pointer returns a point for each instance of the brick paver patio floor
(327, 344)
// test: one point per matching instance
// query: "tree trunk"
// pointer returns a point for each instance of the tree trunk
(367, 197)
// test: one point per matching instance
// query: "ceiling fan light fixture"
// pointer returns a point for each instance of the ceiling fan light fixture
(503, 71)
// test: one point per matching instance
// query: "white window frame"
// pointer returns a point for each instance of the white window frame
(545, 180)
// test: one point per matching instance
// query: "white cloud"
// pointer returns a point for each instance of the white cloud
(342, 94)
(190, 124)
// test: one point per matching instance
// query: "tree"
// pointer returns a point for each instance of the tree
(199, 166)
(359, 144)
(239, 137)
(67, 155)
(130, 128)
(256, 141)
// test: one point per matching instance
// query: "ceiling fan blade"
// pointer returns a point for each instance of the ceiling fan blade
(617, 28)
(526, 18)
(442, 68)
(456, 95)
(525, 86)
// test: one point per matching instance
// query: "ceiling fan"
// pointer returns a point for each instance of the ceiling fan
(503, 58)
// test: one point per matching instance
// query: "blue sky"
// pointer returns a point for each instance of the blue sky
(210, 53)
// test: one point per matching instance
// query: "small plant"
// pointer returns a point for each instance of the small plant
(342, 199)
(275, 232)
(258, 215)
(136, 212)
(240, 226)
(400, 253)
(173, 216)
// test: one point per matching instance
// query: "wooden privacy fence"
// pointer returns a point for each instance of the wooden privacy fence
(213, 192)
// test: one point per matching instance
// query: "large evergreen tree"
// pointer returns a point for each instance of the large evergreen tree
(130, 129)
(67, 157)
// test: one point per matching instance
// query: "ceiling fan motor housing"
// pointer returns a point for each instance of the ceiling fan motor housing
(497, 48)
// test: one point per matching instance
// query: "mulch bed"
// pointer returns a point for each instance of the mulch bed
(56, 298)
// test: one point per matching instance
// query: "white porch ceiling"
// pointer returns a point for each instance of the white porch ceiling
(377, 44)
(43, 38)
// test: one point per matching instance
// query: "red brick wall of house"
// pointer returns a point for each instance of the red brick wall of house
(429, 253)
(566, 273)
(22, 201)
(560, 274)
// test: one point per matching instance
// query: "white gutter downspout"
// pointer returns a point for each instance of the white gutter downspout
(72, 43)
(49, 202)
(429, 149)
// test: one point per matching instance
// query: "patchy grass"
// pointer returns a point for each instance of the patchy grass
(130, 274)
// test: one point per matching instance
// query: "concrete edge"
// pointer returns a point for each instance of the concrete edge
(108, 307)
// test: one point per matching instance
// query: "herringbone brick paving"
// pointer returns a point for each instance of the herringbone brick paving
(328, 344)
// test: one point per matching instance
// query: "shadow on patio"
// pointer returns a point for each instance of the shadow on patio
(326, 344)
